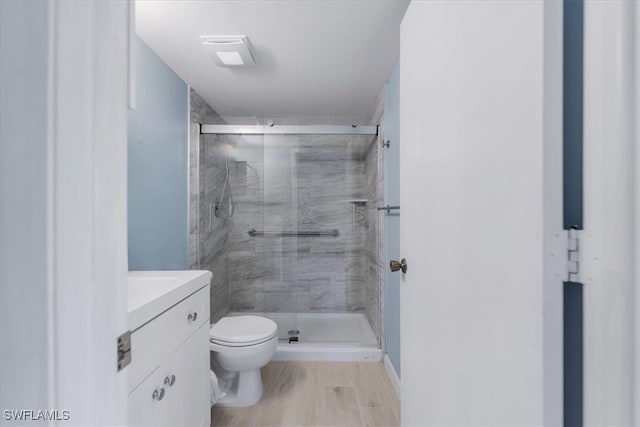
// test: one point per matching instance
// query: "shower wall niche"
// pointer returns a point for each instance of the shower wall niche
(293, 231)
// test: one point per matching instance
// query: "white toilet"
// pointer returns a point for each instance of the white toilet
(240, 346)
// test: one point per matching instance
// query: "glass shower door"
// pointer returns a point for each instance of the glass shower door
(314, 243)
(245, 263)
(284, 294)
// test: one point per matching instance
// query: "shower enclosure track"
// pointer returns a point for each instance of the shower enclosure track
(289, 130)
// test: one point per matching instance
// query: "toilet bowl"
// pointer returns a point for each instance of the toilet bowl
(240, 346)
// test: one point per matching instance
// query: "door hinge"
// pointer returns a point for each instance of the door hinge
(124, 350)
(573, 255)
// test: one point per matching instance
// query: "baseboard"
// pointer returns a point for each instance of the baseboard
(391, 372)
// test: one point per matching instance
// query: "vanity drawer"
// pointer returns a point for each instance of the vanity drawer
(153, 341)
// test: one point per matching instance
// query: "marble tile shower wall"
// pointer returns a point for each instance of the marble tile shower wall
(304, 183)
(208, 232)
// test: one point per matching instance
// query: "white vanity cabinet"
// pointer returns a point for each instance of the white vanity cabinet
(169, 370)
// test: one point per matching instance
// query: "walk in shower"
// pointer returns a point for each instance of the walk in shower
(287, 222)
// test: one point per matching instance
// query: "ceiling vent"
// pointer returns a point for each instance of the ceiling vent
(230, 51)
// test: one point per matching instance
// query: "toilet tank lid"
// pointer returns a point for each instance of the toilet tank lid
(238, 329)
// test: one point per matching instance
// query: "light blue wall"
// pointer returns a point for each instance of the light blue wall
(392, 220)
(157, 181)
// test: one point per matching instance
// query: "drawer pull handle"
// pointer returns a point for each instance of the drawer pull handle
(193, 316)
(158, 395)
(170, 380)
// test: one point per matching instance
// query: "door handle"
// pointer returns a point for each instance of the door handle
(395, 265)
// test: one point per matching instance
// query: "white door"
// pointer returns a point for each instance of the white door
(611, 241)
(480, 179)
(63, 253)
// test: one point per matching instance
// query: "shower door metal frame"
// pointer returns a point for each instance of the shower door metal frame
(269, 129)
(289, 129)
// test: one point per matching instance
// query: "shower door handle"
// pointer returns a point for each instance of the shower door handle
(395, 265)
(211, 216)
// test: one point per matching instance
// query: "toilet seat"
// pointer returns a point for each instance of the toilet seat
(242, 331)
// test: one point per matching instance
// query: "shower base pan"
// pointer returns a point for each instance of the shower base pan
(336, 337)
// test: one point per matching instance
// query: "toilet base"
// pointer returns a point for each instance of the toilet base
(248, 393)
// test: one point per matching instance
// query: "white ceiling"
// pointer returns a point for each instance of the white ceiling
(319, 61)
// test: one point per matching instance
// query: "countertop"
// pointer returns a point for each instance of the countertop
(150, 293)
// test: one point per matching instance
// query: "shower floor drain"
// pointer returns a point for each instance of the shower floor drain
(294, 332)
